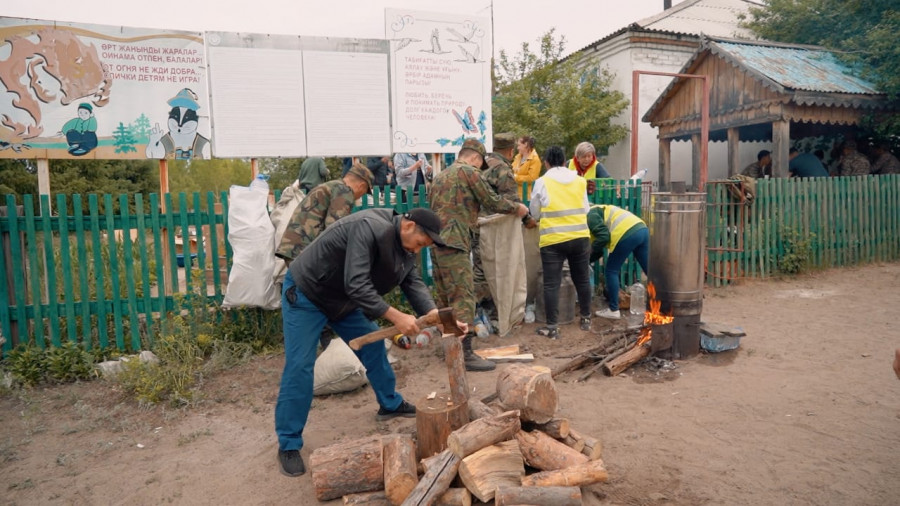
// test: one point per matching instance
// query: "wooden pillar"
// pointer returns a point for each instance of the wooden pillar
(696, 146)
(781, 143)
(43, 173)
(734, 154)
(254, 168)
(665, 164)
(164, 236)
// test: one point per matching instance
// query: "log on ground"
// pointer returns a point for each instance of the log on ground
(483, 432)
(367, 499)
(541, 451)
(575, 444)
(456, 369)
(557, 496)
(529, 389)
(556, 428)
(593, 448)
(492, 467)
(442, 469)
(478, 409)
(399, 467)
(435, 420)
(625, 360)
(347, 468)
(575, 476)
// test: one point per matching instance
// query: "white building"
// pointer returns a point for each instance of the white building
(664, 43)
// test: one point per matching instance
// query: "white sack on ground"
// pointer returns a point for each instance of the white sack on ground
(281, 217)
(503, 261)
(252, 238)
(338, 370)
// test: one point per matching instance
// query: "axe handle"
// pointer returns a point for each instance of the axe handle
(380, 334)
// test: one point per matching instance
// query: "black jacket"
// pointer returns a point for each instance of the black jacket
(355, 261)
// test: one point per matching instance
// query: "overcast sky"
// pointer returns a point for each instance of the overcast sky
(515, 21)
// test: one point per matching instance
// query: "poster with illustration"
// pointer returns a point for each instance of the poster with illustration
(72, 90)
(440, 80)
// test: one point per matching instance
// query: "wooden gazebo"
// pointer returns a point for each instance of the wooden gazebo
(760, 91)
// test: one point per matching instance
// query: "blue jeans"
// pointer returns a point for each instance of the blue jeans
(578, 253)
(303, 323)
(638, 242)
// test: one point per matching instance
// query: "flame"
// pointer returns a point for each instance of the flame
(652, 317)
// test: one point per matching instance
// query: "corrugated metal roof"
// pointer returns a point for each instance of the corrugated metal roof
(796, 68)
(716, 18)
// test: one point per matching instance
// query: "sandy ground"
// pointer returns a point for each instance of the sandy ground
(807, 411)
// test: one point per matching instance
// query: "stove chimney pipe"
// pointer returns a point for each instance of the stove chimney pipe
(667, 4)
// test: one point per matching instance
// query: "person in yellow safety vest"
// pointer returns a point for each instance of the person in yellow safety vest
(585, 162)
(559, 201)
(623, 233)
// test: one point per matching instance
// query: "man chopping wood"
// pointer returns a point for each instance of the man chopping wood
(340, 279)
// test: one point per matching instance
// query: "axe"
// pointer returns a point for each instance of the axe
(444, 317)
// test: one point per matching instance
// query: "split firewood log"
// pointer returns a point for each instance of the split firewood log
(441, 470)
(367, 499)
(593, 448)
(455, 497)
(492, 467)
(556, 428)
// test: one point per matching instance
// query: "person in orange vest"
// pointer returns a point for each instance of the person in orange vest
(623, 233)
(559, 203)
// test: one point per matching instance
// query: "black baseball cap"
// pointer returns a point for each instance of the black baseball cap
(429, 222)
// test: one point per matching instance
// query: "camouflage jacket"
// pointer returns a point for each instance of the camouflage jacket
(854, 164)
(457, 195)
(499, 176)
(324, 205)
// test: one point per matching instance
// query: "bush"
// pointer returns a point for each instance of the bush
(31, 365)
(797, 252)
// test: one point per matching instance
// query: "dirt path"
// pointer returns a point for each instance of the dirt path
(807, 411)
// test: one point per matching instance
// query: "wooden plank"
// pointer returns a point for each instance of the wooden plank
(50, 270)
(186, 246)
(199, 221)
(500, 351)
(159, 261)
(84, 288)
(101, 323)
(128, 257)
(213, 210)
(113, 262)
(65, 257)
(146, 299)
(17, 250)
(34, 270)
(169, 233)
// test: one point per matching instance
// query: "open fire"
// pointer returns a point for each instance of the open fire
(652, 317)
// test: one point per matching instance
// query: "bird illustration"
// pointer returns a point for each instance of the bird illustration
(467, 121)
(463, 38)
(470, 57)
(401, 43)
(435, 43)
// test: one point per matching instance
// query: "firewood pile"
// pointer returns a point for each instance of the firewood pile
(514, 450)
(617, 351)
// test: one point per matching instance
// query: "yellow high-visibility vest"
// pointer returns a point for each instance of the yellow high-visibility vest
(565, 218)
(618, 221)
(591, 173)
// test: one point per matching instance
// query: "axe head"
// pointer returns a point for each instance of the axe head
(448, 321)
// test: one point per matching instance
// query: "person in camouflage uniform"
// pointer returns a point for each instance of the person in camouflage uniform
(324, 205)
(499, 176)
(852, 163)
(457, 195)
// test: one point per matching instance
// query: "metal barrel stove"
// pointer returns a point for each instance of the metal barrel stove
(677, 238)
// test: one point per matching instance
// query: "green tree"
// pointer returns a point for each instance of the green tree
(124, 139)
(555, 100)
(216, 175)
(863, 33)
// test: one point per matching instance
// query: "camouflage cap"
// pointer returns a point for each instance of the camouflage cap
(475, 145)
(504, 140)
(361, 171)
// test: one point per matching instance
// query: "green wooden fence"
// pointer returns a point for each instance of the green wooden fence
(107, 271)
(814, 222)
